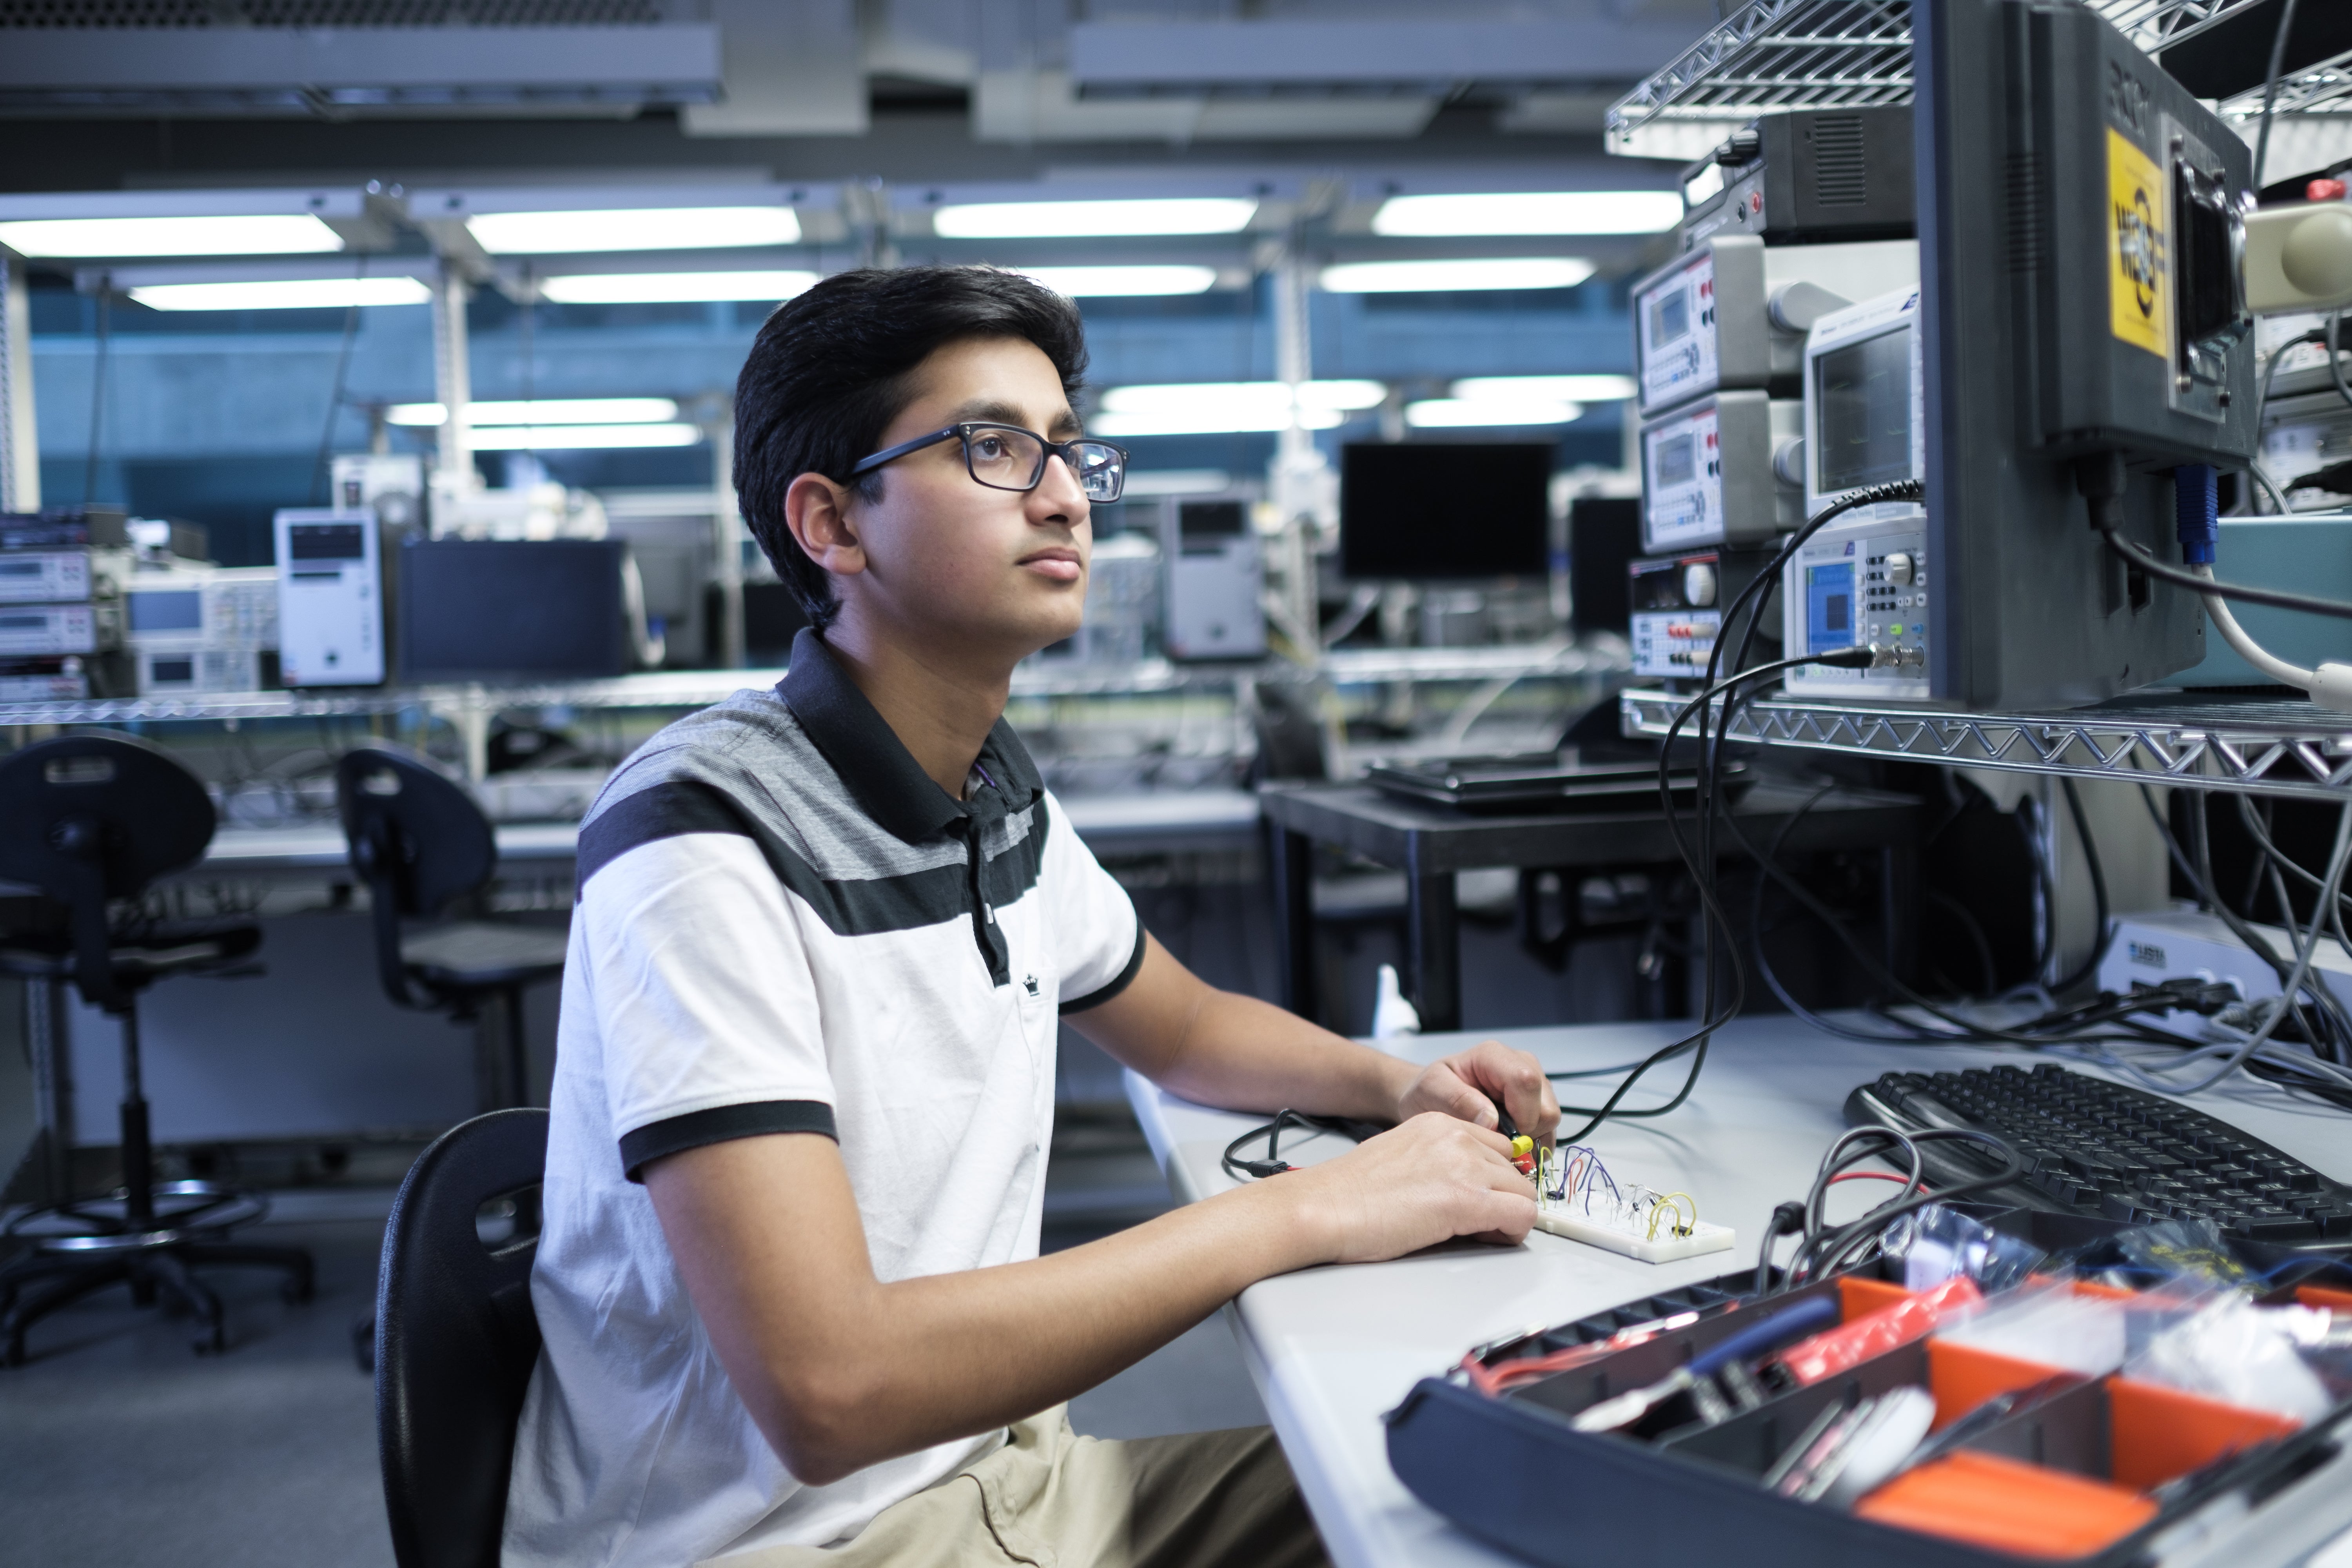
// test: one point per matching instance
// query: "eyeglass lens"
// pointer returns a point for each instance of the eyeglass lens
(1015, 460)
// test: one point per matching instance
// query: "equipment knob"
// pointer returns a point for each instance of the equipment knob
(1898, 568)
(1699, 585)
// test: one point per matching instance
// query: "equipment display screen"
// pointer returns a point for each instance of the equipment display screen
(1677, 460)
(1669, 317)
(326, 541)
(1829, 607)
(176, 610)
(1863, 392)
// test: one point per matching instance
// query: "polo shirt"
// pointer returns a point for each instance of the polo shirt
(784, 925)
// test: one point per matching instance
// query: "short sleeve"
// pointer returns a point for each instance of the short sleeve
(705, 1003)
(1098, 930)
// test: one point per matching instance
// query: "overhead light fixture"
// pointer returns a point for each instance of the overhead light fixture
(1530, 212)
(1104, 282)
(543, 411)
(1238, 420)
(633, 228)
(671, 287)
(1551, 388)
(1271, 396)
(252, 234)
(1444, 413)
(1452, 277)
(1089, 220)
(583, 437)
(284, 294)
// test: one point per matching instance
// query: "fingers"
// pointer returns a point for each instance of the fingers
(1516, 1079)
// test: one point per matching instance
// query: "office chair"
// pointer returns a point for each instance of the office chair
(456, 1338)
(89, 820)
(420, 843)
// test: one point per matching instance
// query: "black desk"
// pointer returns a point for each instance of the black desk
(1431, 843)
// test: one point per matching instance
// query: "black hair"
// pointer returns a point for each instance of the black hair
(831, 370)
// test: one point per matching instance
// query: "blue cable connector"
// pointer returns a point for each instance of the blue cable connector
(2197, 511)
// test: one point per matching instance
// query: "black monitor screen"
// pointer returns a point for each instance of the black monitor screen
(489, 609)
(1446, 509)
(1864, 393)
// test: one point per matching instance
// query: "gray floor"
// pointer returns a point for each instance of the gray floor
(119, 1448)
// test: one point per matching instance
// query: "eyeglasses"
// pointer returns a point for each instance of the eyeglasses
(1007, 458)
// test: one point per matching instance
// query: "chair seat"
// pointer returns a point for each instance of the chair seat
(165, 947)
(480, 954)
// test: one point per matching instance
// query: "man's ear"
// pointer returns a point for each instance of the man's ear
(816, 509)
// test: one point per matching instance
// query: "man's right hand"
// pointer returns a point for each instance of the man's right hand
(1425, 1181)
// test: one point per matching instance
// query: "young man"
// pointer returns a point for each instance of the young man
(789, 1278)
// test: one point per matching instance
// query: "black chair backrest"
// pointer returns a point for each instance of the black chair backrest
(86, 818)
(417, 839)
(455, 1340)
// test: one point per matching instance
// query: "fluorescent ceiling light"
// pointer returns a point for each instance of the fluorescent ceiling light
(1438, 413)
(1239, 419)
(581, 437)
(1531, 212)
(1552, 388)
(638, 228)
(1448, 276)
(1077, 220)
(286, 294)
(543, 411)
(671, 287)
(257, 234)
(1262, 397)
(1096, 282)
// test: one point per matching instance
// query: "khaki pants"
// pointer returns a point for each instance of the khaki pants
(1053, 1500)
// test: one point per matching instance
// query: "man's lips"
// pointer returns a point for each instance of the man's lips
(1057, 562)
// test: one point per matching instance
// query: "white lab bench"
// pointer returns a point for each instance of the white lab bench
(1331, 1349)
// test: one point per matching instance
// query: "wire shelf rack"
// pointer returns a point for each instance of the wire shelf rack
(1774, 55)
(2262, 747)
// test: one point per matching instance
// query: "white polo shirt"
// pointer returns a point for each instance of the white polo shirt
(785, 925)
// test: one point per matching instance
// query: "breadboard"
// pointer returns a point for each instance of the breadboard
(1624, 1231)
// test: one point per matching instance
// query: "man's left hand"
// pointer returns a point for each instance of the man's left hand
(1469, 1083)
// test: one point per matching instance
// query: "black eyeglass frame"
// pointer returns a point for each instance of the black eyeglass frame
(1065, 451)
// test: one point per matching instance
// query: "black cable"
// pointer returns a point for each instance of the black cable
(2270, 90)
(1827, 1254)
(97, 388)
(2089, 965)
(2110, 521)
(1274, 1164)
(335, 398)
(2335, 365)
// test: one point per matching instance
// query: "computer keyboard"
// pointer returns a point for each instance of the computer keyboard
(2095, 1148)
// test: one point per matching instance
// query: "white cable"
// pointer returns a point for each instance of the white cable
(2330, 685)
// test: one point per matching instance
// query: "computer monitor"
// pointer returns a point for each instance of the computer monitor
(1456, 510)
(511, 609)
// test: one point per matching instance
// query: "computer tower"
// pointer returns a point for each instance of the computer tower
(2075, 213)
(1214, 577)
(329, 598)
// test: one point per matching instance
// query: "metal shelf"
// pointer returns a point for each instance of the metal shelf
(1772, 54)
(1506, 661)
(2273, 748)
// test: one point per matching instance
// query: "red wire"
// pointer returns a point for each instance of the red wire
(1870, 1176)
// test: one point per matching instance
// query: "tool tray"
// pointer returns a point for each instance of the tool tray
(2074, 1478)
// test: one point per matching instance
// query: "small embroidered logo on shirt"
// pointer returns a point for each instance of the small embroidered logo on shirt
(1031, 981)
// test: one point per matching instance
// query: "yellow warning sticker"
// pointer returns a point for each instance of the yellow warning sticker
(2136, 244)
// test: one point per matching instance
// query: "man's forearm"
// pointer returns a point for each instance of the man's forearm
(1246, 1055)
(841, 1371)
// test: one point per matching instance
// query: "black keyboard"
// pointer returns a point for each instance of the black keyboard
(2098, 1149)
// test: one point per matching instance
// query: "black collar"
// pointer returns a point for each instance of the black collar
(889, 784)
